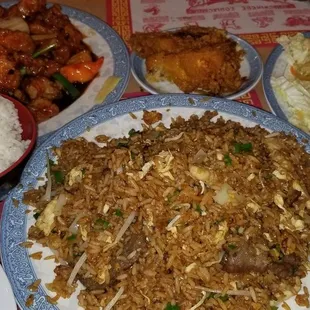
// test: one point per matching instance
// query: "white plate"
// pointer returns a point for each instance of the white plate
(6, 294)
(275, 66)
(251, 68)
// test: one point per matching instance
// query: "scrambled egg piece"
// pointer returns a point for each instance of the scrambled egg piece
(102, 274)
(220, 235)
(203, 174)
(163, 164)
(84, 232)
(289, 222)
(46, 219)
(75, 176)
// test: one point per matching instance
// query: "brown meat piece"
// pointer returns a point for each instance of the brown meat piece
(151, 117)
(42, 87)
(287, 267)
(245, 259)
(136, 245)
(16, 41)
(9, 77)
(193, 37)
(43, 109)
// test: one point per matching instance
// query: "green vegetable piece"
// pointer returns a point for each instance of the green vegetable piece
(73, 92)
(105, 224)
(23, 71)
(43, 50)
(59, 177)
(118, 212)
(198, 209)
(211, 295)
(132, 132)
(243, 147)
(172, 307)
(231, 246)
(36, 215)
(227, 160)
(72, 237)
(224, 297)
(274, 308)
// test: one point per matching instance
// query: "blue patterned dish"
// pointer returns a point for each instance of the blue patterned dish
(251, 67)
(275, 66)
(104, 41)
(112, 120)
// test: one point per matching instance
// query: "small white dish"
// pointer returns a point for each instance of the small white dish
(251, 68)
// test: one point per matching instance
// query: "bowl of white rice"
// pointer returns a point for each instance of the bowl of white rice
(18, 133)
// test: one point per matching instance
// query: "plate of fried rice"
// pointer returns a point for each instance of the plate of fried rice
(163, 202)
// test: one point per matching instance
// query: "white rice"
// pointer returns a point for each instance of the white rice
(12, 146)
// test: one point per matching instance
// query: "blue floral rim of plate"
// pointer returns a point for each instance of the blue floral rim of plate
(252, 56)
(15, 259)
(268, 89)
(117, 46)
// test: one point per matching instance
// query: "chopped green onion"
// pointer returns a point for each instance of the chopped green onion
(231, 246)
(36, 215)
(224, 297)
(23, 71)
(172, 307)
(59, 177)
(105, 224)
(227, 160)
(274, 308)
(198, 209)
(70, 88)
(72, 237)
(211, 295)
(118, 212)
(132, 132)
(243, 147)
(43, 50)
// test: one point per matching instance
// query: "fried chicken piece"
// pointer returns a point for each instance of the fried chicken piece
(194, 37)
(214, 70)
(43, 109)
(9, 77)
(42, 87)
(16, 41)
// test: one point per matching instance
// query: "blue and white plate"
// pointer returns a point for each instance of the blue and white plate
(251, 68)
(103, 41)
(275, 66)
(114, 121)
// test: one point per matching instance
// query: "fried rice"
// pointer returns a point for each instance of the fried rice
(204, 215)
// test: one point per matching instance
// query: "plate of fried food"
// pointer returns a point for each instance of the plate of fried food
(163, 202)
(193, 59)
(58, 61)
(286, 79)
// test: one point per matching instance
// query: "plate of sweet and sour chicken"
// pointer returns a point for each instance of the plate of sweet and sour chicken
(59, 61)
